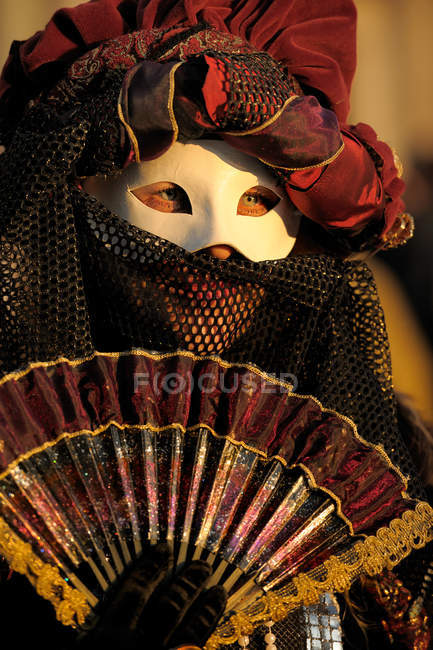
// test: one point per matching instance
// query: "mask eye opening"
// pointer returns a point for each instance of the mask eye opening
(163, 196)
(257, 201)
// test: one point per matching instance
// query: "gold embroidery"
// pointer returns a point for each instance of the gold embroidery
(401, 231)
(384, 550)
(71, 606)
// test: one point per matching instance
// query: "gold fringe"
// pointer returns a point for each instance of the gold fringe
(372, 555)
(71, 605)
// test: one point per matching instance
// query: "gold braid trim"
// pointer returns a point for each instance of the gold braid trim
(129, 131)
(170, 109)
(370, 556)
(170, 101)
(71, 605)
(224, 364)
(316, 166)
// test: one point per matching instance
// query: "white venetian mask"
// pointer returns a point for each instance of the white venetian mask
(202, 194)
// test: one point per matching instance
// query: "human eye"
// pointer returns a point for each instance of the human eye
(164, 197)
(257, 201)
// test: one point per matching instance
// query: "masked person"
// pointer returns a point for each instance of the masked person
(179, 175)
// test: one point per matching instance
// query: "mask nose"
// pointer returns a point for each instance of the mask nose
(221, 251)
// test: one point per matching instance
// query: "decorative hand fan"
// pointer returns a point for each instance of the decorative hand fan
(226, 463)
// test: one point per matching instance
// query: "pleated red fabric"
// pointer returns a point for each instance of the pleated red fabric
(315, 40)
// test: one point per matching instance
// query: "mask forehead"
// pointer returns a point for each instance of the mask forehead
(214, 176)
(198, 167)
